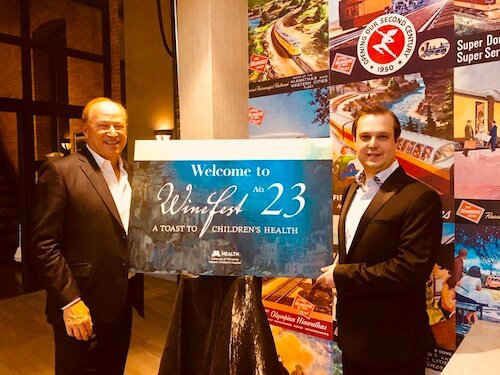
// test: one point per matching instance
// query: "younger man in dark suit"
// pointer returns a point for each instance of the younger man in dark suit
(389, 237)
(81, 220)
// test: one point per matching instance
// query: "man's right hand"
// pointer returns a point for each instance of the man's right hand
(78, 321)
(326, 277)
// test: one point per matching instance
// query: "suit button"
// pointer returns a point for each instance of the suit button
(124, 264)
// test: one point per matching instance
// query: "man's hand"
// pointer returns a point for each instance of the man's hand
(326, 278)
(78, 321)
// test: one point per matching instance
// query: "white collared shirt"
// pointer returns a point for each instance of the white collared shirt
(362, 199)
(120, 189)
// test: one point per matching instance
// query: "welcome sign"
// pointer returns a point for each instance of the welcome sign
(232, 207)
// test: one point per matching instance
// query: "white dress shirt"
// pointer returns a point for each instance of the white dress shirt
(120, 189)
(362, 199)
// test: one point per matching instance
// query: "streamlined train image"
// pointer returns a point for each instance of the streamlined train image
(288, 42)
(426, 158)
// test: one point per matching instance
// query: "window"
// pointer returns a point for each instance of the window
(10, 21)
(10, 71)
(55, 56)
(426, 155)
(444, 152)
(417, 150)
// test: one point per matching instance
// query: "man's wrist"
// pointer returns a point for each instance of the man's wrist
(71, 303)
(333, 275)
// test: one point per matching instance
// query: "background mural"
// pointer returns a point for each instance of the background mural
(434, 63)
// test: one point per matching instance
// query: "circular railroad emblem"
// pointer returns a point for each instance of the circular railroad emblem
(386, 44)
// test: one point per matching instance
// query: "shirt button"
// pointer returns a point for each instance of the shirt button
(124, 264)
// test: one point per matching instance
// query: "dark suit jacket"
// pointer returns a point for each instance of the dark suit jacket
(469, 133)
(79, 243)
(381, 310)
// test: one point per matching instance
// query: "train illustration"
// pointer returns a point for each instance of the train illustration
(479, 4)
(288, 42)
(280, 293)
(358, 13)
(480, 8)
(280, 135)
(426, 158)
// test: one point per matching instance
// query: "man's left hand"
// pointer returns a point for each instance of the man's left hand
(78, 321)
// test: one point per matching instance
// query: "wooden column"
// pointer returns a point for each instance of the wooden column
(212, 68)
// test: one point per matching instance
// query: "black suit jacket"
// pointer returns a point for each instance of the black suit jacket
(79, 243)
(381, 310)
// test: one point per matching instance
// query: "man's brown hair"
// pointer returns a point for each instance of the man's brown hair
(377, 109)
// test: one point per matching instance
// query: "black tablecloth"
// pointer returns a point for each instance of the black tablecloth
(219, 327)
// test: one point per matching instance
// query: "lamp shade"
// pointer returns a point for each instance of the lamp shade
(66, 144)
(163, 134)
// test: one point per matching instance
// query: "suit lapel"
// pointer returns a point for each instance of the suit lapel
(348, 196)
(90, 168)
(386, 192)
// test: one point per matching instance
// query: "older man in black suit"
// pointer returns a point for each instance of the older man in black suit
(389, 237)
(80, 246)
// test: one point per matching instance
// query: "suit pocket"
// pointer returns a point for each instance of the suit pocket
(80, 269)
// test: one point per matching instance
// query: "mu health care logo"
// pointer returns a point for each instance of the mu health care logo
(225, 257)
(386, 44)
